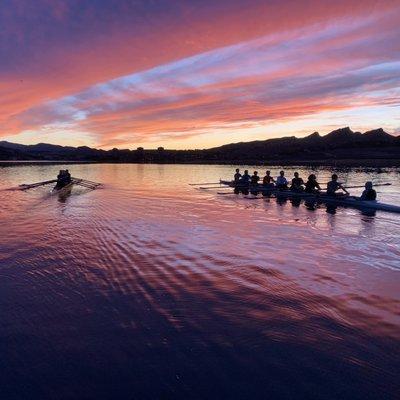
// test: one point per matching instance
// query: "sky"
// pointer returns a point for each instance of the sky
(195, 73)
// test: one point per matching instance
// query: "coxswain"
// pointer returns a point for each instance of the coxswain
(268, 180)
(333, 186)
(312, 186)
(281, 181)
(297, 183)
(254, 178)
(237, 176)
(369, 193)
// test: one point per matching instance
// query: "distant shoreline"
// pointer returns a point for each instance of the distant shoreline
(339, 148)
(25, 162)
(344, 163)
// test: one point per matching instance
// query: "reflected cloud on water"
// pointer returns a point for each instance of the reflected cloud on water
(153, 288)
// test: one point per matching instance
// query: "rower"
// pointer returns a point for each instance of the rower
(237, 176)
(333, 186)
(297, 183)
(255, 178)
(243, 184)
(369, 193)
(268, 180)
(312, 186)
(67, 177)
(281, 181)
(61, 178)
(245, 179)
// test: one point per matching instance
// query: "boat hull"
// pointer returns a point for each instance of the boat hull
(58, 189)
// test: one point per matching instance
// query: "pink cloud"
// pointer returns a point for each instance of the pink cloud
(306, 57)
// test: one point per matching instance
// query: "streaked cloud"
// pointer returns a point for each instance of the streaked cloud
(141, 85)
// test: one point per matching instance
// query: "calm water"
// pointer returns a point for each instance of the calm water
(151, 289)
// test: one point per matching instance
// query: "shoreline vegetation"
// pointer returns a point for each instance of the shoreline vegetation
(339, 148)
(376, 164)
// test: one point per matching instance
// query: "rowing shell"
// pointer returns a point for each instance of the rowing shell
(61, 189)
(348, 201)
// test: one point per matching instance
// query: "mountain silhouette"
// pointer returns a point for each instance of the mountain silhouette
(341, 146)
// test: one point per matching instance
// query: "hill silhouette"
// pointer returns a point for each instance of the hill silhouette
(339, 147)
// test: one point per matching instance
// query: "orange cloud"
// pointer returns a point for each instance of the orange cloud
(58, 50)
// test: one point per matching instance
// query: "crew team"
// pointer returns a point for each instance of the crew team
(297, 184)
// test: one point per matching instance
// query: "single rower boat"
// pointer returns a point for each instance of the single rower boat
(64, 181)
(63, 187)
(61, 184)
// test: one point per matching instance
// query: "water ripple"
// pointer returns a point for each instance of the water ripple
(176, 293)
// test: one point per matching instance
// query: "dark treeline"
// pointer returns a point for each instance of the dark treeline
(342, 146)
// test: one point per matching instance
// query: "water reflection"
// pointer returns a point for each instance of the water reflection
(295, 202)
(310, 205)
(151, 289)
(64, 194)
(331, 208)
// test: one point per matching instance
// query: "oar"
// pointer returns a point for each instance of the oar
(210, 187)
(86, 181)
(206, 183)
(361, 186)
(85, 185)
(259, 189)
(25, 186)
(88, 184)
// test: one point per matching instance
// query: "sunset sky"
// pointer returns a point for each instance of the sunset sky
(195, 73)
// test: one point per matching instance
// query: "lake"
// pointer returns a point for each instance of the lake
(149, 288)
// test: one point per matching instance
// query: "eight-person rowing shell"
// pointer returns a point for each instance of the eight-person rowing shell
(312, 186)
